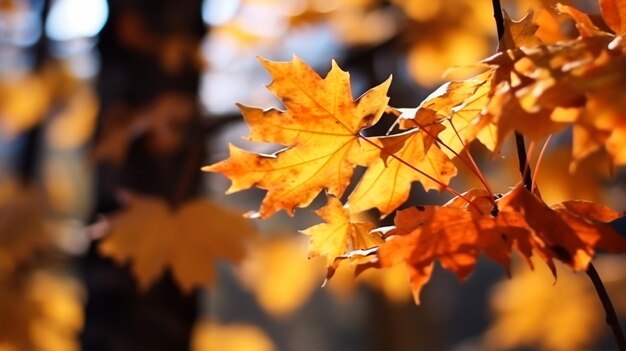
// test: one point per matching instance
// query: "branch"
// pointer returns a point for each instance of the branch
(611, 316)
(524, 168)
(497, 14)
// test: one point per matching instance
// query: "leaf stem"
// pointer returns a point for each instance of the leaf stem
(611, 316)
(524, 167)
(474, 166)
(539, 159)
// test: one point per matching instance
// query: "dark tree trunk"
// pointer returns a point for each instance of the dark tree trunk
(146, 49)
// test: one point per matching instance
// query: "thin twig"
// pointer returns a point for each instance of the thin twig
(524, 167)
(499, 17)
(611, 316)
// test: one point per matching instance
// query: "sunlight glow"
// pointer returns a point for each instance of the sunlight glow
(216, 12)
(72, 19)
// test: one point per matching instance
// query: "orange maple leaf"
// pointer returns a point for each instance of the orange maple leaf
(540, 90)
(614, 14)
(583, 23)
(188, 240)
(456, 233)
(321, 129)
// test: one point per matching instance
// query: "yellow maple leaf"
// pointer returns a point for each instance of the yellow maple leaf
(23, 229)
(339, 234)
(534, 310)
(519, 33)
(279, 274)
(387, 184)
(43, 311)
(458, 106)
(23, 103)
(187, 240)
(320, 129)
(614, 14)
(391, 282)
(208, 336)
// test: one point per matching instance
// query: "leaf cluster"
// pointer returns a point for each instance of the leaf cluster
(530, 87)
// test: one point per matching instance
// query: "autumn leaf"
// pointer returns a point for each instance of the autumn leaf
(23, 229)
(457, 106)
(208, 335)
(506, 111)
(187, 240)
(614, 14)
(320, 129)
(41, 311)
(584, 25)
(519, 33)
(23, 103)
(456, 233)
(391, 282)
(454, 236)
(540, 90)
(279, 275)
(533, 310)
(339, 234)
(413, 157)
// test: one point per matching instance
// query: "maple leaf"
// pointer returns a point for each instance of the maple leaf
(457, 106)
(533, 311)
(456, 233)
(23, 229)
(321, 129)
(209, 335)
(187, 240)
(40, 311)
(279, 275)
(339, 234)
(23, 103)
(570, 230)
(387, 183)
(348, 273)
(453, 235)
(519, 33)
(540, 90)
(583, 23)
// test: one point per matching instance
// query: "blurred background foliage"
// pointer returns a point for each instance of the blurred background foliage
(112, 239)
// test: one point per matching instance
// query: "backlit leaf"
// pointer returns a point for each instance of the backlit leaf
(386, 184)
(339, 234)
(614, 13)
(320, 130)
(453, 235)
